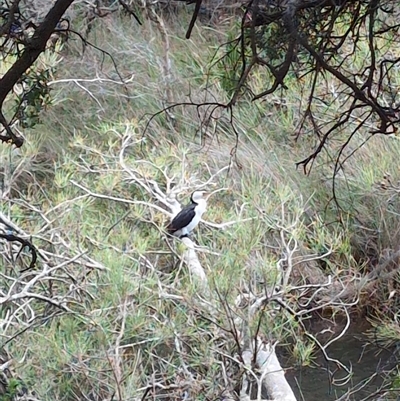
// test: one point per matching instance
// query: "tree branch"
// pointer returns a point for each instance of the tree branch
(34, 47)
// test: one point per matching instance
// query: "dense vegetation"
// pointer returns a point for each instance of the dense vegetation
(111, 309)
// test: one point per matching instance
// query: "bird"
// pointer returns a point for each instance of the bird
(189, 217)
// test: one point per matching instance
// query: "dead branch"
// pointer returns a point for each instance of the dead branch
(194, 265)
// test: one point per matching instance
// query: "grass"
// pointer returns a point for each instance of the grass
(139, 321)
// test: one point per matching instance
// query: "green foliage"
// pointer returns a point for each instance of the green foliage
(34, 98)
(142, 314)
(230, 66)
(12, 390)
(396, 384)
(303, 352)
(32, 94)
(271, 39)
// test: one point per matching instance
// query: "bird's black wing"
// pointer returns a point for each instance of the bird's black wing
(182, 219)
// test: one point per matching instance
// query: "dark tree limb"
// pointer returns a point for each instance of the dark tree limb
(129, 10)
(322, 38)
(16, 140)
(24, 243)
(194, 17)
(34, 47)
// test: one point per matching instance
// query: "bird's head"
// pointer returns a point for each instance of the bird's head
(198, 195)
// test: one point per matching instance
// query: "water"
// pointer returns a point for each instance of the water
(354, 350)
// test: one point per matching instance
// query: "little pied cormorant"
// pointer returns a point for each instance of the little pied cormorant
(188, 218)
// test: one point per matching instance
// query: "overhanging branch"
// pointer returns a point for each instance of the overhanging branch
(34, 47)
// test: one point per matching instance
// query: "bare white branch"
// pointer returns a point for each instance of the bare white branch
(192, 261)
(121, 200)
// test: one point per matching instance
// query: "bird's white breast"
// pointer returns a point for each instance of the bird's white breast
(199, 210)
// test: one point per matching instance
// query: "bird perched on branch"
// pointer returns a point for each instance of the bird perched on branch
(189, 217)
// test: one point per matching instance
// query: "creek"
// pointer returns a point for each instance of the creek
(355, 350)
